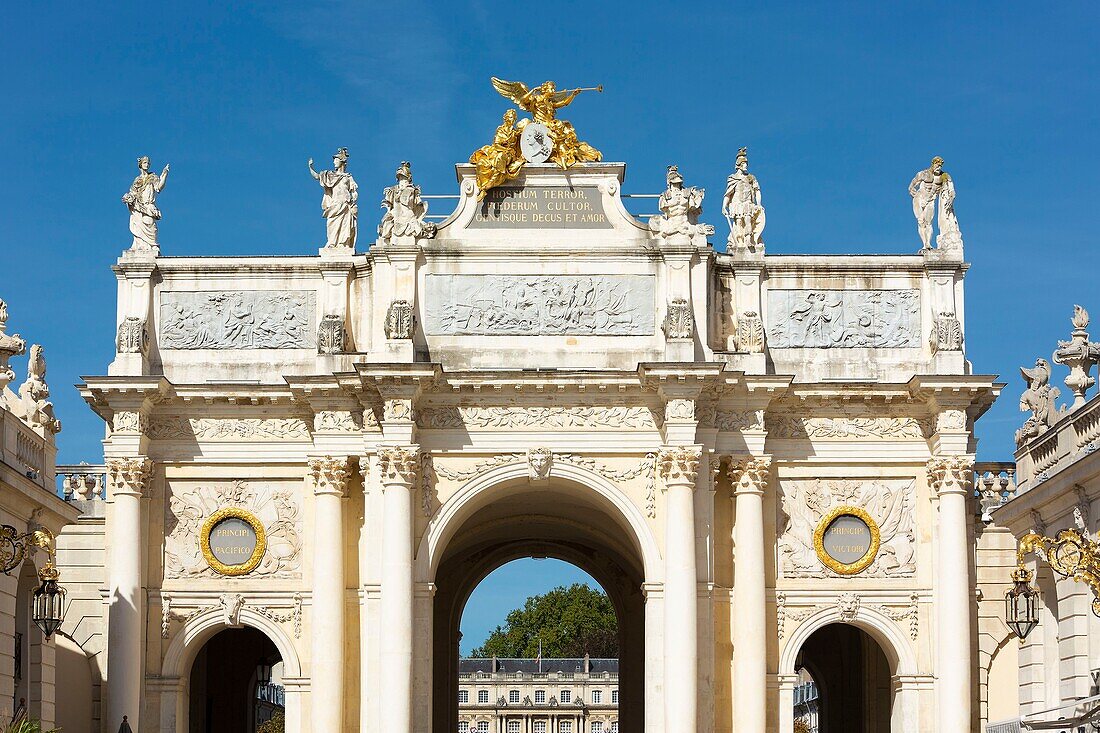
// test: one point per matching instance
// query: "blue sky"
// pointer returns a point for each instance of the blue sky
(838, 103)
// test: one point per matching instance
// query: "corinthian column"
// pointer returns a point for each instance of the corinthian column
(749, 477)
(951, 478)
(330, 480)
(679, 467)
(399, 467)
(129, 478)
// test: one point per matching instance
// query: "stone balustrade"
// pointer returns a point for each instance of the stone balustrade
(84, 486)
(1073, 435)
(994, 484)
(26, 450)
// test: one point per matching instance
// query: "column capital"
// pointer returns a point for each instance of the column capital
(679, 465)
(330, 475)
(129, 476)
(749, 474)
(951, 474)
(399, 464)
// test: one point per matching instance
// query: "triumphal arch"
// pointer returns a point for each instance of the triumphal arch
(766, 459)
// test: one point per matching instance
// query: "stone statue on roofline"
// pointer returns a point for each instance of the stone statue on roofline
(141, 200)
(340, 202)
(1039, 399)
(742, 206)
(680, 208)
(927, 187)
(10, 345)
(405, 210)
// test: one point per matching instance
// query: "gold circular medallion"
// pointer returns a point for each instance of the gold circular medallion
(233, 541)
(846, 540)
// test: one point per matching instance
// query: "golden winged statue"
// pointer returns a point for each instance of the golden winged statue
(502, 160)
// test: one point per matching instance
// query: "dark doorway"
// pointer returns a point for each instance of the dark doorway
(852, 677)
(235, 683)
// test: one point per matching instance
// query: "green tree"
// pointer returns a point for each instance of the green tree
(571, 622)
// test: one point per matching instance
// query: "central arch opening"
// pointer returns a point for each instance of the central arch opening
(235, 685)
(844, 683)
(564, 521)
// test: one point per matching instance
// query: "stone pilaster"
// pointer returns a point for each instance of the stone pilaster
(679, 469)
(329, 477)
(399, 469)
(128, 480)
(749, 479)
(951, 478)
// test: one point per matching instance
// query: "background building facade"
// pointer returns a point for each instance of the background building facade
(533, 696)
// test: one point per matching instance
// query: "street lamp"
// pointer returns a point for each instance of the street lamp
(1022, 604)
(48, 602)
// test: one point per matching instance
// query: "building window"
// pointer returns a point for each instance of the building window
(463, 727)
(540, 697)
(614, 698)
(565, 697)
(513, 726)
(597, 696)
(597, 726)
(513, 698)
(565, 726)
(614, 726)
(483, 726)
(482, 699)
(464, 698)
(540, 726)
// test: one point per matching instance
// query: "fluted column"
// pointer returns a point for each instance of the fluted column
(330, 480)
(399, 467)
(129, 479)
(951, 477)
(749, 478)
(679, 468)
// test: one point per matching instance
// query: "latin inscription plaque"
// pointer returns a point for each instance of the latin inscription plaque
(541, 207)
(847, 540)
(233, 541)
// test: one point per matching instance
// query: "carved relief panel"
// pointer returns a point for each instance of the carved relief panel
(822, 319)
(239, 319)
(189, 506)
(537, 305)
(888, 502)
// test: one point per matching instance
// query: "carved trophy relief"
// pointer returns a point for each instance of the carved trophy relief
(946, 333)
(275, 506)
(823, 319)
(133, 337)
(889, 502)
(331, 335)
(399, 320)
(248, 319)
(540, 305)
(679, 322)
(748, 337)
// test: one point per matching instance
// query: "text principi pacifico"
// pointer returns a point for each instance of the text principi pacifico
(538, 140)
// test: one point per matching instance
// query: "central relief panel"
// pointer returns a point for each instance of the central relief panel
(540, 305)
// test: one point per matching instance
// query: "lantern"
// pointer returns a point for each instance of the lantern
(1022, 604)
(48, 603)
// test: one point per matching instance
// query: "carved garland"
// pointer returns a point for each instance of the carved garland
(231, 605)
